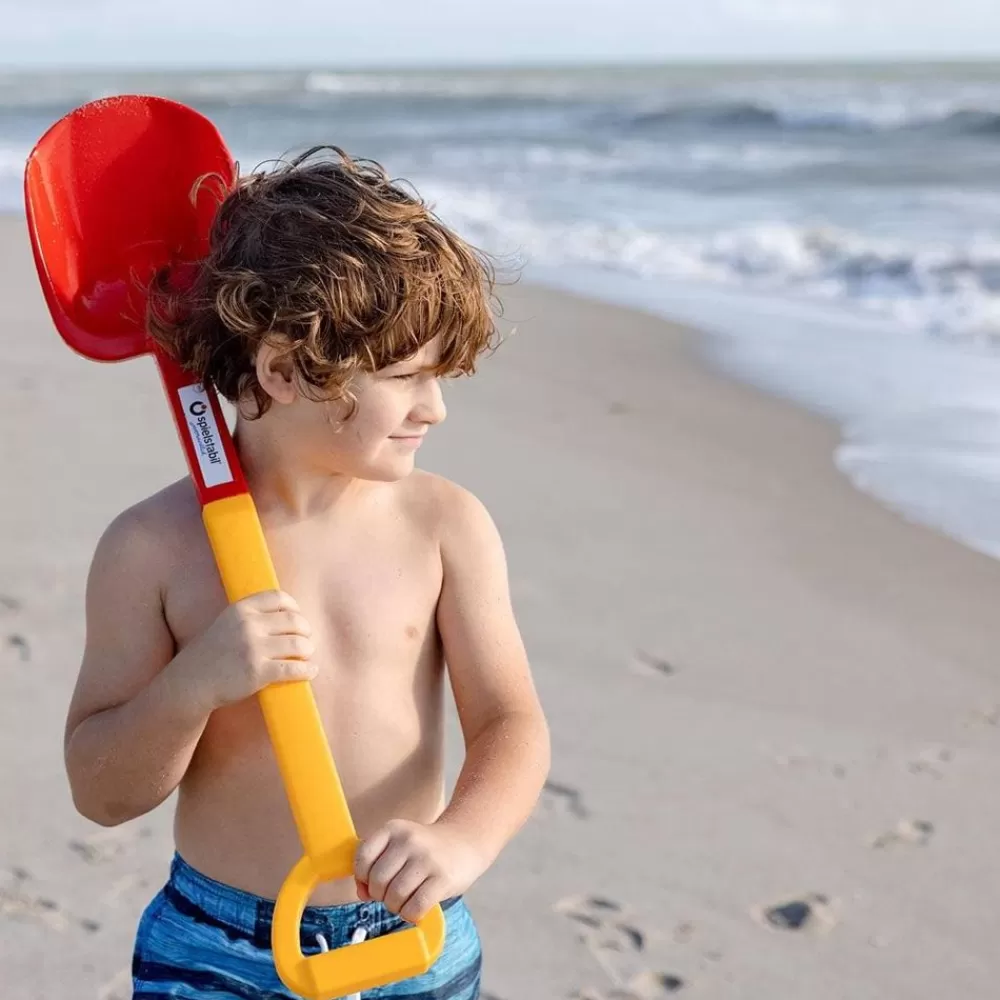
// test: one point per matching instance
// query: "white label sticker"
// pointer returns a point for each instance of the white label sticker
(205, 435)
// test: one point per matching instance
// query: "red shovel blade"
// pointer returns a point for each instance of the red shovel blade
(112, 195)
(110, 192)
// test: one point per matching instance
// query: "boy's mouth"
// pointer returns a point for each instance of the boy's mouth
(411, 439)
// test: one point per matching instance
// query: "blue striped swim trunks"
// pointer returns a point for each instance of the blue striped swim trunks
(201, 940)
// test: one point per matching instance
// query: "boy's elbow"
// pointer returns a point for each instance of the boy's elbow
(100, 816)
(92, 801)
(535, 730)
(98, 809)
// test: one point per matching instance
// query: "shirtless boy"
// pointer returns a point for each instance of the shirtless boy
(330, 308)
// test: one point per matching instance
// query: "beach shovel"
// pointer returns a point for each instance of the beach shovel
(112, 195)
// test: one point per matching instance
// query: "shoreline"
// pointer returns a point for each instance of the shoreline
(712, 342)
(914, 415)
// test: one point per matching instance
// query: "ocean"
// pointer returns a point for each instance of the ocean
(835, 229)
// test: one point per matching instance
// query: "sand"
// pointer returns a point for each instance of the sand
(774, 705)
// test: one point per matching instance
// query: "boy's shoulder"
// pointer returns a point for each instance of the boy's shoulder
(450, 512)
(438, 498)
(151, 527)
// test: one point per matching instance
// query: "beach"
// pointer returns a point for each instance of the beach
(774, 703)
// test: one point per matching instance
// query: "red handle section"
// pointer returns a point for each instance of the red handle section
(201, 425)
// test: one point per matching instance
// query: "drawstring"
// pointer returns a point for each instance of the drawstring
(356, 938)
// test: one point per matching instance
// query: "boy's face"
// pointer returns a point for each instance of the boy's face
(395, 408)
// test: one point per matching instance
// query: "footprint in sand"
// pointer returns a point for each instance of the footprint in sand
(907, 831)
(616, 941)
(987, 716)
(17, 646)
(106, 845)
(98, 848)
(564, 798)
(811, 912)
(14, 644)
(929, 761)
(649, 665)
(643, 986)
(598, 913)
(18, 903)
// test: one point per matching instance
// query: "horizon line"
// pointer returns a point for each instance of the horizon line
(533, 63)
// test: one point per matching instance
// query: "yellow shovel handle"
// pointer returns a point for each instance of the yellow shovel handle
(315, 795)
(293, 723)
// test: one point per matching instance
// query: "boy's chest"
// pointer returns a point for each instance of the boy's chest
(368, 599)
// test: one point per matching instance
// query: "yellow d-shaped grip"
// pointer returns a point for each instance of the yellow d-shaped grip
(316, 798)
(355, 967)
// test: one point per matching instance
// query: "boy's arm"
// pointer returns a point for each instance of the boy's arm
(507, 751)
(410, 866)
(130, 733)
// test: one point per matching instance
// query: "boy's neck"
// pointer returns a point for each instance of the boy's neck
(285, 484)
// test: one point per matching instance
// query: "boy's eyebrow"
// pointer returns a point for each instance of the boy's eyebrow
(408, 363)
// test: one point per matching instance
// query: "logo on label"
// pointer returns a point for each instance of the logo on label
(205, 434)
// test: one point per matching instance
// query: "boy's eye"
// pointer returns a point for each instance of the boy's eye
(407, 375)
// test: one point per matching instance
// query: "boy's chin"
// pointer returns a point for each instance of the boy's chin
(388, 470)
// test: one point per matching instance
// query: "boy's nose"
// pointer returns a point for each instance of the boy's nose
(431, 408)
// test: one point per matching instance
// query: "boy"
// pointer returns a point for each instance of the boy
(330, 305)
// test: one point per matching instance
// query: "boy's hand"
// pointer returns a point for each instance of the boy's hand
(411, 866)
(257, 641)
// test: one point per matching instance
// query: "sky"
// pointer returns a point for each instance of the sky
(333, 33)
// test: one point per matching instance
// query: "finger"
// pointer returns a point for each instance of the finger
(422, 899)
(362, 891)
(405, 883)
(288, 623)
(271, 601)
(277, 671)
(386, 867)
(368, 852)
(288, 647)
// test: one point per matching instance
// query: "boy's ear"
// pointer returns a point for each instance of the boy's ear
(275, 371)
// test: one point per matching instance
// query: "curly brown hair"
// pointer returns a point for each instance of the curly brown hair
(336, 264)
